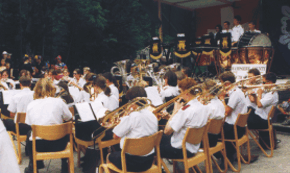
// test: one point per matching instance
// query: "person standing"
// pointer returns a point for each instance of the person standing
(237, 30)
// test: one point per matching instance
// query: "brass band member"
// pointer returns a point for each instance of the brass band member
(169, 91)
(264, 102)
(110, 82)
(77, 80)
(252, 73)
(237, 30)
(236, 104)
(136, 125)
(193, 114)
(46, 110)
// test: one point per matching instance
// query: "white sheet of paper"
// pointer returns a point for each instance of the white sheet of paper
(75, 92)
(85, 111)
(99, 109)
(8, 94)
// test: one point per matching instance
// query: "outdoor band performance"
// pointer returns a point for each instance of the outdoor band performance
(144, 86)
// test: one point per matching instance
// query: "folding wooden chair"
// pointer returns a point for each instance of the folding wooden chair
(216, 127)
(254, 133)
(238, 142)
(139, 147)
(193, 136)
(19, 138)
(51, 133)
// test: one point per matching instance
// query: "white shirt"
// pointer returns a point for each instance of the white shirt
(114, 90)
(169, 91)
(255, 31)
(8, 161)
(237, 102)
(249, 103)
(226, 31)
(217, 109)
(137, 125)
(80, 83)
(5, 85)
(153, 95)
(20, 101)
(83, 96)
(109, 102)
(237, 32)
(195, 115)
(268, 100)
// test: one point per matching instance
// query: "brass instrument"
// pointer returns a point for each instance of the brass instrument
(269, 87)
(121, 66)
(113, 118)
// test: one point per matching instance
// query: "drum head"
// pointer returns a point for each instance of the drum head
(260, 40)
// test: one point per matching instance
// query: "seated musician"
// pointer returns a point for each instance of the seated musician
(169, 91)
(46, 110)
(64, 92)
(216, 107)
(237, 30)
(236, 104)
(152, 93)
(193, 114)
(77, 81)
(180, 75)
(251, 74)
(10, 83)
(8, 161)
(136, 124)
(19, 103)
(252, 27)
(104, 93)
(3, 85)
(110, 82)
(258, 118)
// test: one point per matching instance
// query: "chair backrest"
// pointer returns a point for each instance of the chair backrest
(51, 132)
(272, 112)
(142, 146)
(20, 117)
(195, 135)
(215, 126)
(242, 119)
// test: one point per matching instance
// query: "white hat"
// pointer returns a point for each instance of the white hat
(4, 52)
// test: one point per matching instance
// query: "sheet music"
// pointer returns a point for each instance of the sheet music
(99, 109)
(85, 112)
(8, 94)
(75, 92)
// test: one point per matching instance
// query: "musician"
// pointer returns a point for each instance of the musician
(8, 161)
(3, 65)
(86, 70)
(251, 74)
(152, 93)
(252, 27)
(10, 83)
(64, 92)
(226, 27)
(258, 118)
(215, 106)
(237, 30)
(136, 125)
(218, 29)
(88, 93)
(3, 85)
(66, 76)
(236, 104)
(170, 90)
(19, 103)
(104, 93)
(180, 75)
(77, 80)
(110, 82)
(193, 114)
(46, 110)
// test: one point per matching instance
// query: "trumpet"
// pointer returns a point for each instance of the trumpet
(113, 118)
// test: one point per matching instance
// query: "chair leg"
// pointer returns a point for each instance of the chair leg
(14, 147)
(19, 151)
(34, 165)
(249, 154)
(78, 155)
(71, 164)
(239, 160)
(255, 137)
(225, 162)
(197, 168)
(164, 166)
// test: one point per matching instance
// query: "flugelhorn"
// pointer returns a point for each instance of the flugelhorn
(113, 118)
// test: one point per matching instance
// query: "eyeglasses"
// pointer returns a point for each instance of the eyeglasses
(264, 82)
(74, 73)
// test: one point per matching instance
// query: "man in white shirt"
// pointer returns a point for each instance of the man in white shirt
(226, 27)
(19, 103)
(258, 118)
(252, 27)
(236, 104)
(193, 114)
(237, 30)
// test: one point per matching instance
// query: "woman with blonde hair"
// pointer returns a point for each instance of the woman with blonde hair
(45, 109)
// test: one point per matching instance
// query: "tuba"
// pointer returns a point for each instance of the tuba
(122, 70)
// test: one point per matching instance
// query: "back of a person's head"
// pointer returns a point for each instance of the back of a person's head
(63, 85)
(100, 81)
(254, 71)
(24, 81)
(108, 76)
(270, 77)
(227, 76)
(90, 77)
(186, 83)
(135, 91)
(180, 75)
(43, 88)
(171, 78)
(238, 18)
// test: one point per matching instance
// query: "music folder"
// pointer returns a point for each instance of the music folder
(90, 111)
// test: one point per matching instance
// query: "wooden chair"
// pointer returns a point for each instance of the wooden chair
(51, 133)
(254, 133)
(216, 127)
(140, 146)
(238, 142)
(4, 117)
(19, 138)
(193, 136)
(14, 147)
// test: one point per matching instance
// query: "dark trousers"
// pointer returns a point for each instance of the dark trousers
(10, 126)
(229, 134)
(46, 146)
(84, 130)
(256, 122)
(167, 151)
(133, 163)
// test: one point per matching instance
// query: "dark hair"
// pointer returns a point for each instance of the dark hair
(171, 78)
(53, 72)
(254, 71)
(78, 71)
(180, 75)
(25, 81)
(5, 71)
(66, 94)
(186, 71)
(238, 18)
(90, 77)
(135, 91)
(270, 77)
(227, 76)
(219, 26)
(253, 22)
(227, 22)
(58, 71)
(109, 76)
(101, 82)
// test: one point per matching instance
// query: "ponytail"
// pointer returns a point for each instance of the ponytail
(107, 91)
